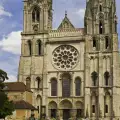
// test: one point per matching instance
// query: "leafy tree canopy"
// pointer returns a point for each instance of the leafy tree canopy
(3, 75)
(6, 106)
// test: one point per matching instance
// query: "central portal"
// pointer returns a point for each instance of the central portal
(66, 114)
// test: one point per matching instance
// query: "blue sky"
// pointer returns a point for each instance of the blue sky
(11, 24)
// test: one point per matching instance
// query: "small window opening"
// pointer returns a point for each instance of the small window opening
(100, 8)
(93, 108)
(100, 28)
(30, 47)
(94, 76)
(106, 108)
(33, 16)
(39, 47)
(38, 15)
(106, 77)
(106, 42)
(38, 82)
(38, 109)
(78, 86)
(94, 42)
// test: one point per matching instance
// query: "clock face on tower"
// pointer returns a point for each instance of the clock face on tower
(65, 57)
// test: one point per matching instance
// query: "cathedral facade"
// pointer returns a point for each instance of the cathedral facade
(72, 72)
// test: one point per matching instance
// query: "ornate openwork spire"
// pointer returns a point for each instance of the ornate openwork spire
(100, 12)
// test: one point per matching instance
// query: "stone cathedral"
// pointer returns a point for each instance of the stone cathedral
(72, 72)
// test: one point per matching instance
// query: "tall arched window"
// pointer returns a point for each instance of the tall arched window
(53, 87)
(35, 15)
(39, 47)
(100, 27)
(78, 86)
(94, 76)
(106, 42)
(100, 8)
(30, 47)
(106, 77)
(66, 82)
(38, 82)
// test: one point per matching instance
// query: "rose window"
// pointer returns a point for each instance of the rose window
(65, 57)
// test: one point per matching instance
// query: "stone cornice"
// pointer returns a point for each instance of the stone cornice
(64, 33)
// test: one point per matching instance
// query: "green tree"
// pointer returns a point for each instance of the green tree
(3, 76)
(6, 106)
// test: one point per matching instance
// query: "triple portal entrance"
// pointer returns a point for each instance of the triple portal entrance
(66, 113)
(65, 109)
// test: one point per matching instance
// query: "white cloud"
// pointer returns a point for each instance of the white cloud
(12, 42)
(12, 78)
(81, 13)
(3, 12)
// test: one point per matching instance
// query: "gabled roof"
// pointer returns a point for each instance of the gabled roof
(16, 87)
(66, 24)
(23, 105)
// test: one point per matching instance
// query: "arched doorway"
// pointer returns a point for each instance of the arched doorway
(52, 109)
(66, 107)
(79, 109)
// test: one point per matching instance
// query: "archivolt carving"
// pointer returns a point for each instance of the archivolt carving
(61, 75)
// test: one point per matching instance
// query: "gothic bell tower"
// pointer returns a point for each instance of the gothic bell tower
(100, 17)
(37, 15)
(102, 60)
(32, 65)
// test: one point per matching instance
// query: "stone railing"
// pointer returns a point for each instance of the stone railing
(65, 33)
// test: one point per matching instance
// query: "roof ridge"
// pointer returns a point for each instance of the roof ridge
(22, 104)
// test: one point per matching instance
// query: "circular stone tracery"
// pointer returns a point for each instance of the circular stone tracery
(65, 57)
